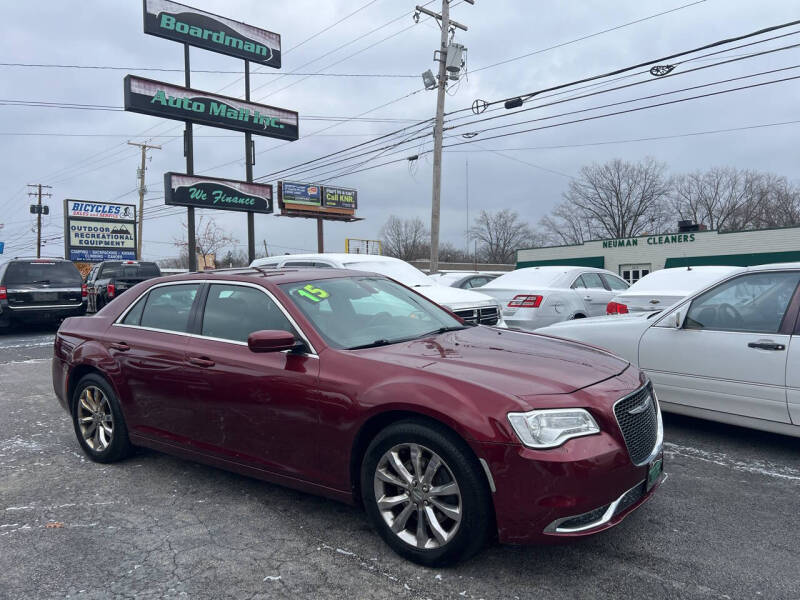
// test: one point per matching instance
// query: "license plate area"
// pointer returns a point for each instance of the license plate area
(44, 296)
(654, 472)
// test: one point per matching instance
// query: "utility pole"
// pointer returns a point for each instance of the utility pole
(445, 23)
(38, 209)
(142, 190)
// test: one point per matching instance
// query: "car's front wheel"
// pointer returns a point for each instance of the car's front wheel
(98, 421)
(425, 495)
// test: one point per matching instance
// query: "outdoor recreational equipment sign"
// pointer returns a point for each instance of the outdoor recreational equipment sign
(98, 231)
(304, 194)
(210, 192)
(160, 99)
(180, 23)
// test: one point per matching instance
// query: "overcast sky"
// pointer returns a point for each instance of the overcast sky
(84, 152)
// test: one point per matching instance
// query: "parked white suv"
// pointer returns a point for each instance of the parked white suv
(471, 306)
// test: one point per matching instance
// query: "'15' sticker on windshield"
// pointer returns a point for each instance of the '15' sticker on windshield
(312, 294)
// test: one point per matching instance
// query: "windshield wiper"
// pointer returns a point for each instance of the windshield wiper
(444, 330)
(42, 281)
(375, 344)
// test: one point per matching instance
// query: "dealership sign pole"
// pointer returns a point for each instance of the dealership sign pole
(180, 23)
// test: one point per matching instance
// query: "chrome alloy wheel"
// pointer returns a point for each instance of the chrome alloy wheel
(95, 419)
(418, 496)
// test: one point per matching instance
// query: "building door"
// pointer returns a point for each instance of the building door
(633, 273)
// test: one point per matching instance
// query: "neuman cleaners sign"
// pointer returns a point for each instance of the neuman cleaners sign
(180, 23)
(160, 99)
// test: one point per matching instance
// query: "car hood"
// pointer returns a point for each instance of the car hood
(454, 298)
(508, 362)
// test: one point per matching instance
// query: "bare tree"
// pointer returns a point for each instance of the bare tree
(720, 198)
(406, 239)
(500, 235)
(729, 199)
(210, 239)
(617, 199)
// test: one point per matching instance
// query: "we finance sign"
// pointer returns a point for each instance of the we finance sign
(187, 25)
(160, 99)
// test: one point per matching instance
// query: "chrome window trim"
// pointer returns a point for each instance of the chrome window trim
(118, 322)
(657, 447)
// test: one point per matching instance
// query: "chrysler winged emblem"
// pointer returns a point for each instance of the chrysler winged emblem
(637, 410)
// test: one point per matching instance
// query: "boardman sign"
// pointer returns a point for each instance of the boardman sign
(652, 240)
(180, 23)
(223, 194)
(98, 231)
(160, 99)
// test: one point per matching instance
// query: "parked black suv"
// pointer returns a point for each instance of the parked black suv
(40, 289)
(109, 279)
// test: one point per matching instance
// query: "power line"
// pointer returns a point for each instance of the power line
(586, 37)
(633, 140)
(619, 103)
(631, 110)
(529, 95)
(216, 71)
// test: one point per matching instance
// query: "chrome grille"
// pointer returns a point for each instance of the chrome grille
(639, 427)
(488, 315)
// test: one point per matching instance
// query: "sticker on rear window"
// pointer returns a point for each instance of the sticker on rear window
(311, 293)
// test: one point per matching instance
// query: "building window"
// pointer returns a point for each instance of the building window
(633, 273)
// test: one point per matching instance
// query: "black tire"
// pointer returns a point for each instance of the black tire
(119, 445)
(477, 518)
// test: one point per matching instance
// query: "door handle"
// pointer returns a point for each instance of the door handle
(766, 346)
(121, 346)
(589, 298)
(201, 361)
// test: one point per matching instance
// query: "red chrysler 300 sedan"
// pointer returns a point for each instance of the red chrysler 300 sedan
(355, 387)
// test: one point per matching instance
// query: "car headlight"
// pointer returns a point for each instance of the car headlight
(552, 427)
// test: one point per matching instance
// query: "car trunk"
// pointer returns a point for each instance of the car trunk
(648, 301)
(42, 283)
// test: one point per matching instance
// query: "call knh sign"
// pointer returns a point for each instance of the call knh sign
(188, 25)
(222, 194)
(159, 99)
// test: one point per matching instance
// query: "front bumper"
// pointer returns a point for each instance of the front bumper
(537, 491)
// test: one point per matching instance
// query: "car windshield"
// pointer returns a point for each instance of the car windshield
(530, 276)
(399, 270)
(42, 271)
(121, 270)
(360, 312)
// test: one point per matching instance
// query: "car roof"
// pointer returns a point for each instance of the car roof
(264, 277)
(340, 257)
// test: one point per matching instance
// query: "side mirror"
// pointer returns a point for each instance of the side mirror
(270, 340)
(679, 317)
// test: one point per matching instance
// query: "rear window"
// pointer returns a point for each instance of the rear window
(42, 271)
(527, 276)
(122, 270)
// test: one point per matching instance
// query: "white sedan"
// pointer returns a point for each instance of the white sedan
(729, 353)
(539, 296)
(663, 288)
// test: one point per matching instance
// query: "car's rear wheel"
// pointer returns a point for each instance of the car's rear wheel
(425, 495)
(98, 421)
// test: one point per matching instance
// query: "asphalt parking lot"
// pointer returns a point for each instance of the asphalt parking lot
(724, 525)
